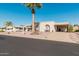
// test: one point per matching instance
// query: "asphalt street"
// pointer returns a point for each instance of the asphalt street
(20, 46)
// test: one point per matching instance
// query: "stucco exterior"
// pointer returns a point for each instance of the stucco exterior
(52, 26)
(43, 24)
(75, 28)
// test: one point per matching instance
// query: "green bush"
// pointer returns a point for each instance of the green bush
(76, 30)
(1, 30)
(70, 28)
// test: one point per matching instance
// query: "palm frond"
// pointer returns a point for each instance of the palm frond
(8, 23)
(33, 5)
(38, 5)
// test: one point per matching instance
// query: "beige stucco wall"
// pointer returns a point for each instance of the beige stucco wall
(43, 24)
(75, 28)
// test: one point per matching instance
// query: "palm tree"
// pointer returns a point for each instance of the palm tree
(8, 23)
(32, 6)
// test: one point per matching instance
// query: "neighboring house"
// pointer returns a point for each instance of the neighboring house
(18, 28)
(12, 29)
(28, 28)
(2, 29)
(75, 28)
(53, 27)
(9, 29)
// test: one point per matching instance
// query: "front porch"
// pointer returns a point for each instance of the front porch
(61, 28)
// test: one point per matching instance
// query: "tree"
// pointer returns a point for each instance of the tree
(32, 6)
(8, 23)
(70, 28)
(76, 25)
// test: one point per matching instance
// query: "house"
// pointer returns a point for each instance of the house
(76, 27)
(2, 29)
(41, 27)
(9, 29)
(18, 28)
(53, 27)
(28, 28)
(13, 29)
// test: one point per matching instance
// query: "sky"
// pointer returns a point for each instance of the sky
(57, 12)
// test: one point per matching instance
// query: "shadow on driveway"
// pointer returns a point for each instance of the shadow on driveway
(19, 46)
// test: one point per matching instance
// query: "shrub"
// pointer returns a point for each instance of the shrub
(70, 28)
(1, 30)
(76, 30)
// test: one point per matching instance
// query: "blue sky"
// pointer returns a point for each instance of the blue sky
(21, 15)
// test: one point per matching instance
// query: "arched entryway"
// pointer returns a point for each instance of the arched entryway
(47, 28)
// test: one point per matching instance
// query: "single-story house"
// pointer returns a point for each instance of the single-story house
(75, 28)
(53, 27)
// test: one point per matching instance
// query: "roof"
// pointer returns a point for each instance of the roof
(51, 22)
(63, 23)
(48, 22)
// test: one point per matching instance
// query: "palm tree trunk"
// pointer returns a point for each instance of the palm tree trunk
(33, 20)
(23, 30)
